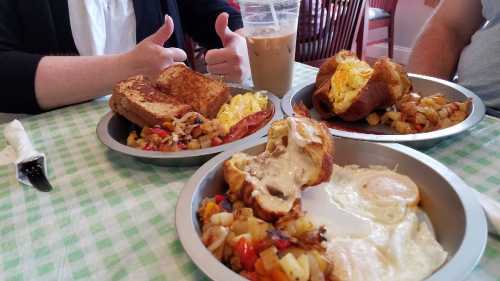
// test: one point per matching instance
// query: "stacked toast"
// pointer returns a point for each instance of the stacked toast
(176, 91)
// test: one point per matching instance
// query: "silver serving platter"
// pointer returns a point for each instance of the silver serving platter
(422, 84)
(456, 215)
(113, 130)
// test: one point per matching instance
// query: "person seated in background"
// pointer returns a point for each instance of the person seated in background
(462, 39)
(56, 53)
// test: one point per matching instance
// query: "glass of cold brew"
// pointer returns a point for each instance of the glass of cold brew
(270, 28)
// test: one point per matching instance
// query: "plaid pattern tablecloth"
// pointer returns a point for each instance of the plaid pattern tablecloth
(112, 218)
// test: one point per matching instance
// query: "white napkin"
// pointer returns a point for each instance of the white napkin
(492, 210)
(19, 150)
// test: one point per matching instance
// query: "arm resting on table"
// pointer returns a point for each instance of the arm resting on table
(62, 80)
(448, 31)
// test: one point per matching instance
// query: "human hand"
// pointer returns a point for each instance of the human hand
(149, 57)
(232, 60)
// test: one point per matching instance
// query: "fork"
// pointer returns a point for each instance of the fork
(33, 170)
(30, 164)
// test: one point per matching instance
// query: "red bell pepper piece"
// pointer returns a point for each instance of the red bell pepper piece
(219, 198)
(160, 132)
(282, 244)
(245, 250)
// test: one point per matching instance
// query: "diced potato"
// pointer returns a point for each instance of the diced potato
(295, 251)
(277, 274)
(259, 267)
(445, 123)
(316, 272)
(322, 261)
(458, 116)
(463, 106)
(205, 141)
(258, 228)
(390, 116)
(402, 127)
(246, 236)
(304, 263)
(169, 126)
(132, 138)
(246, 212)
(373, 119)
(420, 118)
(430, 113)
(293, 268)
(239, 227)
(303, 225)
(222, 218)
(194, 144)
(270, 258)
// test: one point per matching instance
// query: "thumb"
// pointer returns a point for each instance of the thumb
(225, 34)
(164, 32)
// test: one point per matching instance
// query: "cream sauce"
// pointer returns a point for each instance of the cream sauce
(280, 174)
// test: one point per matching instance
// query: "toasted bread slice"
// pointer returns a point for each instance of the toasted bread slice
(298, 154)
(205, 95)
(141, 103)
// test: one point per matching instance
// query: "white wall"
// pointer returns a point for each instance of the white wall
(411, 16)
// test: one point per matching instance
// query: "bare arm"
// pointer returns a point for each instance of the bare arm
(66, 80)
(448, 31)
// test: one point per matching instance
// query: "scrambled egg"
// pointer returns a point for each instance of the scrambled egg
(350, 76)
(239, 107)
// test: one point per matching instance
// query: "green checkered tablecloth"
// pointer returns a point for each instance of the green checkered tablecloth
(112, 218)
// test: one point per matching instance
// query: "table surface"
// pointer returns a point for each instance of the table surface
(113, 218)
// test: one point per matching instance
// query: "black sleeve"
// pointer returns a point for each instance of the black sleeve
(17, 68)
(198, 20)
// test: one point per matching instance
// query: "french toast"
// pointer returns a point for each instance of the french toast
(203, 94)
(351, 89)
(142, 104)
(299, 153)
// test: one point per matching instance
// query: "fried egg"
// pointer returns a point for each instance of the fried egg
(239, 107)
(377, 193)
(375, 229)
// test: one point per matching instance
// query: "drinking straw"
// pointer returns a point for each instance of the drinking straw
(275, 17)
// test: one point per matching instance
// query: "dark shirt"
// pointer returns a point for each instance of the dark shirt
(30, 30)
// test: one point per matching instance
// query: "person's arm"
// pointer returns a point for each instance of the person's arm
(448, 31)
(32, 82)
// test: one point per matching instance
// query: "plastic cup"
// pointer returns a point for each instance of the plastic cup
(270, 29)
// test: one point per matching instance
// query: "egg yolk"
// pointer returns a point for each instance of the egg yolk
(349, 78)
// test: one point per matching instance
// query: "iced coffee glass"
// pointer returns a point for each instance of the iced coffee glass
(270, 28)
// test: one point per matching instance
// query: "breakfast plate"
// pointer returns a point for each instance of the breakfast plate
(113, 131)
(455, 215)
(360, 130)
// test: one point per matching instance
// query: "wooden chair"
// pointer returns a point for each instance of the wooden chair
(326, 27)
(380, 13)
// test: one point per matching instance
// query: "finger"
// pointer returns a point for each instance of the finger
(228, 70)
(220, 68)
(221, 28)
(216, 56)
(176, 54)
(164, 32)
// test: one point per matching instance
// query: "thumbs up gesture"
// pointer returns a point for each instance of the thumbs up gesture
(149, 57)
(232, 60)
